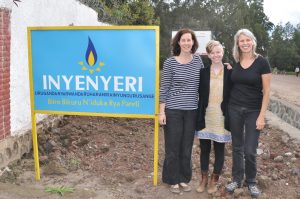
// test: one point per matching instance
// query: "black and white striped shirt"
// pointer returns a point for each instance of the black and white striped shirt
(180, 83)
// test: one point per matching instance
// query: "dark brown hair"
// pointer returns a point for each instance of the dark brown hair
(175, 46)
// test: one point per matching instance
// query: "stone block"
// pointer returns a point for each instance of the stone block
(286, 111)
(14, 147)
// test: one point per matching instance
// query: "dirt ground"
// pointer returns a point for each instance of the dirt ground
(286, 87)
(112, 158)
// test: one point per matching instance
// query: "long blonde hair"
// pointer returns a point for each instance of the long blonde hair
(236, 51)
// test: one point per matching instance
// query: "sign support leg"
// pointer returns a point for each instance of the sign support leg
(155, 172)
(35, 148)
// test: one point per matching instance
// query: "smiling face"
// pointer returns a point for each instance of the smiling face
(245, 44)
(216, 54)
(186, 43)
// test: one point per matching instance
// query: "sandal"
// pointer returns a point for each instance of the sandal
(175, 189)
(185, 187)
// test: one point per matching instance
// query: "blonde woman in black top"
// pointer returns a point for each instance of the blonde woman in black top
(247, 109)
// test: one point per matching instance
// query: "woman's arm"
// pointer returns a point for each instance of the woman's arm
(162, 114)
(266, 80)
(164, 89)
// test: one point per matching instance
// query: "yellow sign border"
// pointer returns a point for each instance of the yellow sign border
(34, 112)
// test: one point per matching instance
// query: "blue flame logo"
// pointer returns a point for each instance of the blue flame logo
(91, 54)
(91, 58)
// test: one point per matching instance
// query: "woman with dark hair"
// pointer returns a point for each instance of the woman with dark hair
(178, 109)
(247, 109)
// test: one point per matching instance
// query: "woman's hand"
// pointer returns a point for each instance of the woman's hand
(229, 67)
(260, 122)
(162, 115)
(162, 118)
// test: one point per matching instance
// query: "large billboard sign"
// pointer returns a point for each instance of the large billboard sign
(107, 70)
(97, 71)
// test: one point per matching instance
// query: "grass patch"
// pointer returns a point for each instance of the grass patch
(60, 190)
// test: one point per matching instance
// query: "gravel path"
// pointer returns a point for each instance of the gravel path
(286, 87)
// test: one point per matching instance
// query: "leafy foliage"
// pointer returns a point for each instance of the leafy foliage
(284, 53)
(60, 190)
(281, 44)
(222, 17)
(124, 12)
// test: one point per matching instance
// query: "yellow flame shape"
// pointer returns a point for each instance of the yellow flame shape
(91, 59)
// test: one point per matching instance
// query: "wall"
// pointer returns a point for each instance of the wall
(4, 72)
(37, 13)
(15, 114)
(285, 111)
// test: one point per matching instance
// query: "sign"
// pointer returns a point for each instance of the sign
(109, 71)
(97, 71)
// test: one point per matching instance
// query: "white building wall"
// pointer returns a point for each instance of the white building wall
(36, 13)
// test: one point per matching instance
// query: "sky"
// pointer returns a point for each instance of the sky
(283, 11)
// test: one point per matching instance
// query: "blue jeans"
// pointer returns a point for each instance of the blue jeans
(244, 143)
(179, 136)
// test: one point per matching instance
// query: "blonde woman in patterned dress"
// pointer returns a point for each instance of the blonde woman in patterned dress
(212, 119)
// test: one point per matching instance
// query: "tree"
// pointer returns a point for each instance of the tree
(285, 44)
(223, 17)
(124, 12)
(296, 41)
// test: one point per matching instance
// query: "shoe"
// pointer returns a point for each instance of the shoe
(212, 186)
(254, 191)
(232, 186)
(185, 187)
(203, 183)
(175, 189)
